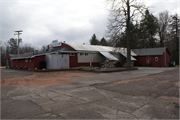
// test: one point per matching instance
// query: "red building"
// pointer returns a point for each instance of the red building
(59, 55)
(155, 57)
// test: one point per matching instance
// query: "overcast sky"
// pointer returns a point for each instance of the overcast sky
(73, 21)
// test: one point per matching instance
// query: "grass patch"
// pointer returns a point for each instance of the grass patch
(176, 65)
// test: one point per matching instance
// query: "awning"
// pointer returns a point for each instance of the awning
(109, 56)
(125, 55)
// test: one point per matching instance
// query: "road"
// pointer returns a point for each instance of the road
(138, 94)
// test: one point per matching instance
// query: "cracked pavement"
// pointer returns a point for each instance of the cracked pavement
(85, 98)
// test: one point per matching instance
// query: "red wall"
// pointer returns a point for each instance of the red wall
(73, 61)
(34, 63)
(21, 62)
(65, 45)
(158, 63)
(142, 60)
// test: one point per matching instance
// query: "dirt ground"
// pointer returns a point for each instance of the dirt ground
(42, 78)
(163, 85)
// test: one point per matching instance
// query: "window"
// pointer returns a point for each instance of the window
(71, 54)
(156, 58)
(81, 54)
(26, 60)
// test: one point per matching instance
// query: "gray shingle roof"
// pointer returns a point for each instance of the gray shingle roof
(31, 55)
(149, 51)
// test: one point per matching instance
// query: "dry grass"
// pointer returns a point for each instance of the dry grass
(45, 78)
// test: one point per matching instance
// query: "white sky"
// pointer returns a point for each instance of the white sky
(73, 21)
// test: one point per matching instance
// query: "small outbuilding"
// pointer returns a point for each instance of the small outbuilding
(156, 57)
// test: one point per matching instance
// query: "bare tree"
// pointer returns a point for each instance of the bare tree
(26, 48)
(6, 49)
(163, 21)
(123, 12)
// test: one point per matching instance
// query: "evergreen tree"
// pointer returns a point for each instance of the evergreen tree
(103, 42)
(94, 40)
(174, 36)
(148, 28)
(134, 37)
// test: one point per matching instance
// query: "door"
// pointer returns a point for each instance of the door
(148, 59)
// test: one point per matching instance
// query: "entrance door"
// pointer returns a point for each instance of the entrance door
(148, 59)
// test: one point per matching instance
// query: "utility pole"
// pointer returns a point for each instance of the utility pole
(165, 50)
(18, 33)
(127, 36)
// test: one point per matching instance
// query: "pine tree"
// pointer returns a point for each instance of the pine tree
(148, 28)
(94, 40)
(174, 35)
(103, 42)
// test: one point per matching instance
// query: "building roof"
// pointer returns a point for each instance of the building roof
(97, 48)
(109, 56)
(81, 47)
(149, 51)
(31, 55)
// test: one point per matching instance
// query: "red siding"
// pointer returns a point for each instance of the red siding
(73, 61)
(36, 61)
(32, 63)
(158, 63)
(65, 45)
(167, 58)
(21, 62)
(142, 60)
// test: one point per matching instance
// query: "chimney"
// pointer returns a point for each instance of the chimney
(64, 41)
(83, 43)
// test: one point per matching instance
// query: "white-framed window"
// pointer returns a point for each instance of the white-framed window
(26, 60)
(84, 54)
(156, 58)
(71, 54)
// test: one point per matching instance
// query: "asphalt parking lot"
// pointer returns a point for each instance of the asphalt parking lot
(147, 93)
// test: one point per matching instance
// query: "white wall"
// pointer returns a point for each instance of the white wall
(92, 57)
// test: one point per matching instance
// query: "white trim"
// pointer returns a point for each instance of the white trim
(156, 58)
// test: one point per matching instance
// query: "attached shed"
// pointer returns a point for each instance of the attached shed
(155, 57)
